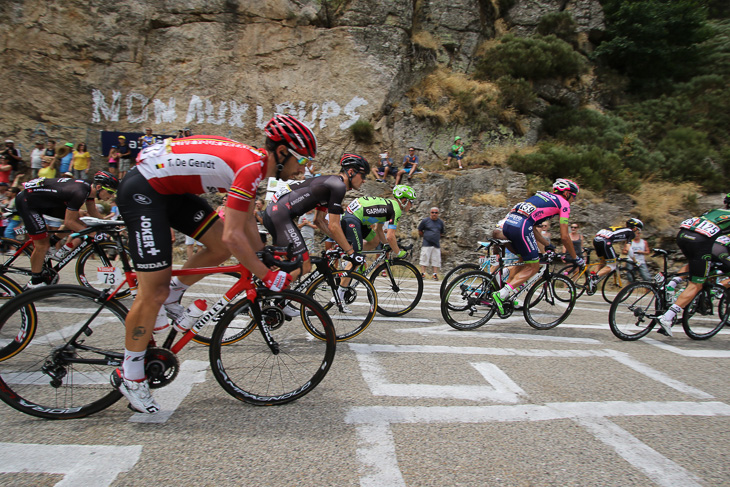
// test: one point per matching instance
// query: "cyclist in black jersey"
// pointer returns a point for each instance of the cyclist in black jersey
(604, 240)
(321, 193)
(59, 198)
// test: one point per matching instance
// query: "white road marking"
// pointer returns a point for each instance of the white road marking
(448, 331)
(87, 465)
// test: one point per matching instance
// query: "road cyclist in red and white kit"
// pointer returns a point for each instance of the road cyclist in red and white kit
(162, 190)
(519, 226)
(60, 198)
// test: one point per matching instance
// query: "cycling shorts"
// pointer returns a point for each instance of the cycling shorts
(698, 250)
(149, 216)
(520, 232)
(32, 214)
(355, 231)
(604, 249)
(284, 231)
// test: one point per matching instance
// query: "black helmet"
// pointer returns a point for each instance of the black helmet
(106, 179)
(635, 222)
(727, 200)
(354, 161)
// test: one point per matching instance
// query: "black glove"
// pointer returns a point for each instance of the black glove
(581, 262)
(357, 259)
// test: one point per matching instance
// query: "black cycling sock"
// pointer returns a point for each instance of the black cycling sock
(36, 278)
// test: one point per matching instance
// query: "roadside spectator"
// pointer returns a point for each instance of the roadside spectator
(221, 210)
(309, 169)
(457, 152)
(14, 158)
(14, 220)
(190, 244)
(147, 139)
(36, 158)
(386, 168)
(113, 210)
(48, 169)
(125, 156)
(114, 160)
(431, 229)
(259, 214)
(64, 156)
(410, 165)
(50, 148)
(577, 238)
(80, 161)
(306, 227)
(637, 250)
(6, 169)
(184, 133)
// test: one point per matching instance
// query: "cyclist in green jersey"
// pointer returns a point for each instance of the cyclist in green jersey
(696, 239)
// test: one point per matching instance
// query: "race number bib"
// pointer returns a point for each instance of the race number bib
(280, 192)
(604, 234)
(353, 206)
(701, 226)
(524, 208)
(109, 275)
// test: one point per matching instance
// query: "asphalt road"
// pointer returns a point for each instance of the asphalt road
(412, 402)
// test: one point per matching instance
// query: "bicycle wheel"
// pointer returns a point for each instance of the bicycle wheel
(11, 341)
(612, 284)
(467, 303)
(250, 371)
(454, 273)
(89, 274)
(399, 290)
(573, 272)
(634, 311)
(53, 375)
(557, 298)
(12, 263)
(707, 313)
(359, 297)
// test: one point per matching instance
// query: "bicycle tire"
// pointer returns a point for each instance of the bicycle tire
(556, 302)
(634, 311)
(708, 312)
(454, 273)
(46, 379)
(573, 272)
(248, 370)
(467, 303)
(360, 296)
(398, 296)
(11, 341)
(613, 282)
(15, 265)
(84, 268)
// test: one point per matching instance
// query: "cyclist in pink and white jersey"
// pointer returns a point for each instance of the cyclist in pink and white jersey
(519, 226)
(162, 192)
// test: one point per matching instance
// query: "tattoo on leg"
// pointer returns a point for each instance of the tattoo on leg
(138, 333)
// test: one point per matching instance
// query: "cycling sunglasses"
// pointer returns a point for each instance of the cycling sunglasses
(301, 160)
(110, 190)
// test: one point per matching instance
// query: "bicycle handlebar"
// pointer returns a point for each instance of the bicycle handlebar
(268, 257)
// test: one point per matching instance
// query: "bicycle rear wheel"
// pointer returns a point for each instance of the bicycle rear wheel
(11, 263)
(249, 370)
(555, 303)
(467, 303)
(359, 297)
(707, 313)
(453, 274)
(613, 283)
(634, 311)
(52, 375)
(87, 268)
(399, 290)
(573, 272)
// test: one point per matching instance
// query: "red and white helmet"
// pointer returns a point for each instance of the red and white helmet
(293, 133)
(561, 185)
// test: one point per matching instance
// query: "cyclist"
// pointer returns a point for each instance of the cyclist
(59, 198)
(162, 191)
(519, 229)
(321, 193)
(603, 245)
(696, 239)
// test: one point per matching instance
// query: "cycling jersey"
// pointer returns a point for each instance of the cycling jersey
(696, 239)
(324, 193)
(204, 164)
(49, 196)
(519, 225)
(619, 235)
(370, 210)
(710, 224)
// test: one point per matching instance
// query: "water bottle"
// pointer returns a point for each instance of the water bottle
(161, 323)
(191, 315)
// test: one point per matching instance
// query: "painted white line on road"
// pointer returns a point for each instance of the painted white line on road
(375, 452)
(88, 465)
(654, 465)
(688, 353)
(448, 331)
(172, 395)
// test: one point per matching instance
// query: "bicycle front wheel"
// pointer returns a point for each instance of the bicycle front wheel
(399, 286)
(359, 301)
(613, 283)
(467, 303)
(453, 274)
(707, 313)
(256, 372)
(634, 311)
(549, 302)
(89, 262)
(54, 375)
(573, 272)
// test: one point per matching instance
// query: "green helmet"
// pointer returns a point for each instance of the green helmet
(403, 191)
